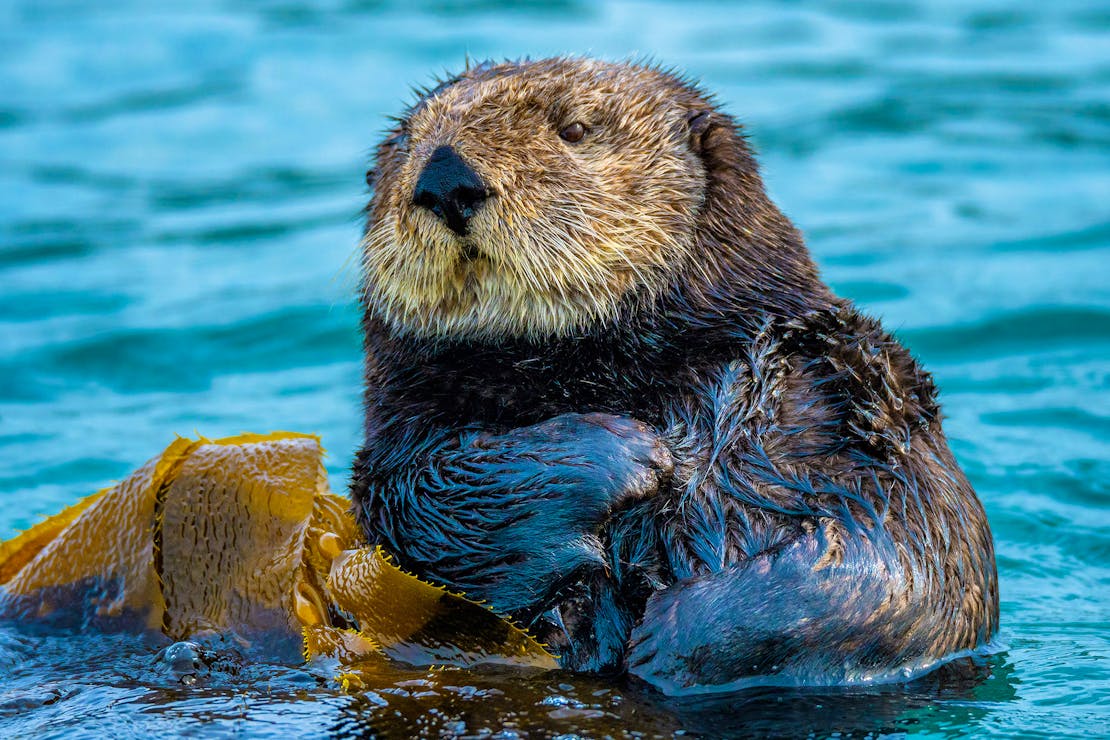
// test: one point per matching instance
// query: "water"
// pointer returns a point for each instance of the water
(179, 206)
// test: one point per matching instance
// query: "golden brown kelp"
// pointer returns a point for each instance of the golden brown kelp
(241, 535)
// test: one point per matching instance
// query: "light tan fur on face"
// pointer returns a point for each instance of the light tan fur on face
(569, 230)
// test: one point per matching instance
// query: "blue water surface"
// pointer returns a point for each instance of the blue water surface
(180, 195)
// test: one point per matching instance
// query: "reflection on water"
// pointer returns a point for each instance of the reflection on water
(180, 187)
(103, 683)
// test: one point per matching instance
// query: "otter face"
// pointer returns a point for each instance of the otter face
(531, 199)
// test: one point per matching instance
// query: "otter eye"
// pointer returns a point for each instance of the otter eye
(573, 133)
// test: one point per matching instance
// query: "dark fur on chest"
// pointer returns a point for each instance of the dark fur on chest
(780, 424)
(819, 387)
(514, 384)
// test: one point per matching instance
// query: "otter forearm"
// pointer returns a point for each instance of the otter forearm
(804, 557)
(793, 616)
(848, 600)
(508, 518)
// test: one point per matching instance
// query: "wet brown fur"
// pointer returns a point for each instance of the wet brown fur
(643, 273)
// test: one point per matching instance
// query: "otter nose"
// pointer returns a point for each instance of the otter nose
(450, 189)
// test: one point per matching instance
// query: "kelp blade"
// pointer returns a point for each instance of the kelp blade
(92, 564)
(242, 535)
(422, 624)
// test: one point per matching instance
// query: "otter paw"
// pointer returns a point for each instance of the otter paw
(547, 491)
(608, 461)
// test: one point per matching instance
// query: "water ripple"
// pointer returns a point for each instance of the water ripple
(179, 207)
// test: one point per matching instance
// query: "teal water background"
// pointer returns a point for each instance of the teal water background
(180, 195)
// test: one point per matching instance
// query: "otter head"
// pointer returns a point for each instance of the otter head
(535, 199)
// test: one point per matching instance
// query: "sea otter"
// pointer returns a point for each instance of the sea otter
(608, 394)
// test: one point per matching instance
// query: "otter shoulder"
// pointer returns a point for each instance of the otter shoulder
(880, 393)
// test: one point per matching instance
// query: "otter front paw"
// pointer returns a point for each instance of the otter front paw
(607, 460)
(557, 484)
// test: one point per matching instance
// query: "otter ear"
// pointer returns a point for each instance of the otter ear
(699, 123)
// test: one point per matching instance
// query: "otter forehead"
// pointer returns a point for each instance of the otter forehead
(553, 91)
(532, 198)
